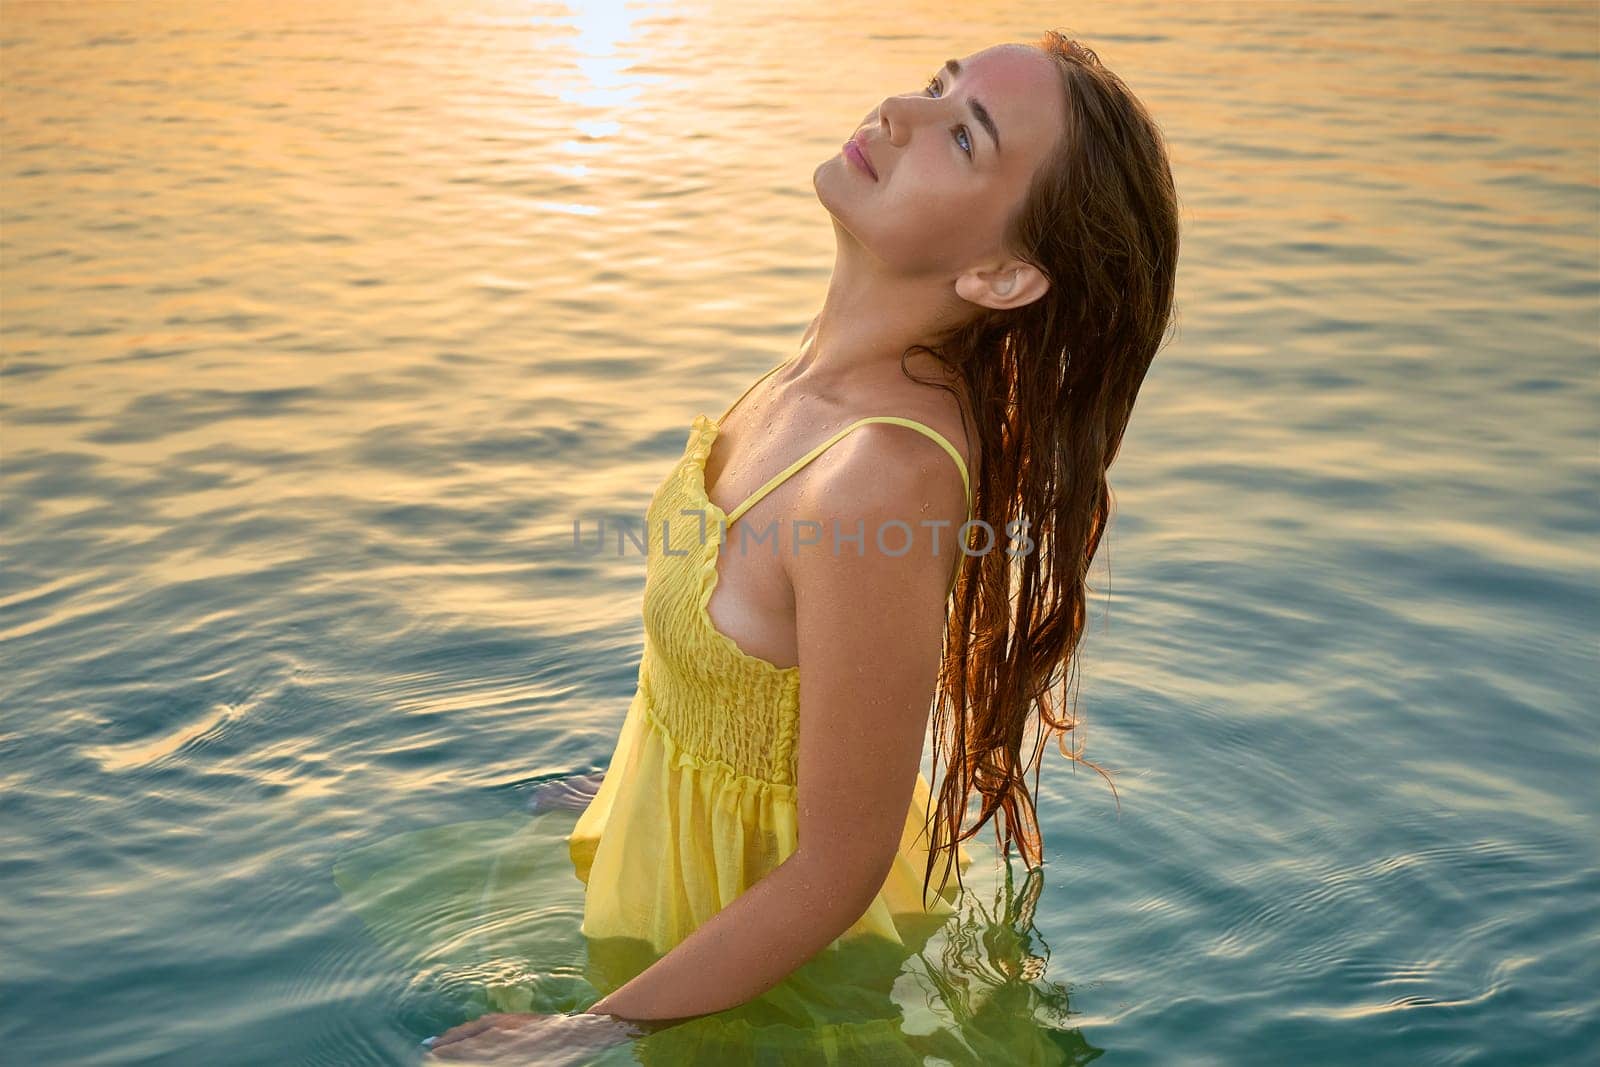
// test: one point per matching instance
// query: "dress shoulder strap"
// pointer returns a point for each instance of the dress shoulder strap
(783, 475)
(751, 388)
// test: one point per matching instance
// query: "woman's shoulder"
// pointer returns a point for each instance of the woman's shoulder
(899, 466)
(940, 409)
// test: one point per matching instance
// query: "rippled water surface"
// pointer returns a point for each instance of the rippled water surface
(321, 322)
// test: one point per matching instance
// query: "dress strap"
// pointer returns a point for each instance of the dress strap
(927, 431)
(749, 389)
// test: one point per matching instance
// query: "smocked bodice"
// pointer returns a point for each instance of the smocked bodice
(717, 702)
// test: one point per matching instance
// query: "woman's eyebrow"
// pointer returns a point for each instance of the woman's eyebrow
(979, 112)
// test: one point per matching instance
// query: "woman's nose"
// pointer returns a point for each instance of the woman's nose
(899, 115)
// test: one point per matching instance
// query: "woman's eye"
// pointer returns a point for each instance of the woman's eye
(960, 131)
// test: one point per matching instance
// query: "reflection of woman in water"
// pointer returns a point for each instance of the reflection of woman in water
(757, 851)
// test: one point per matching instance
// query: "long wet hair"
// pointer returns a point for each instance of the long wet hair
(1051, 385)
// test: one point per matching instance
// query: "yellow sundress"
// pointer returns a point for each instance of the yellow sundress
(699, 798)
(697, 804)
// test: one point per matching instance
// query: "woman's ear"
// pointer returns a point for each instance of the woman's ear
(1011, 286)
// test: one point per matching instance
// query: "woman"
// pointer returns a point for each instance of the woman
(1006, 247)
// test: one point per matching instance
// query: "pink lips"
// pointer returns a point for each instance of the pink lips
(853, 152)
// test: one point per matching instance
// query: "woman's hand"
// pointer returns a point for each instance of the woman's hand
(521, 1039)
(572, 793)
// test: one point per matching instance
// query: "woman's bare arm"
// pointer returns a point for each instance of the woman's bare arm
(870, 630)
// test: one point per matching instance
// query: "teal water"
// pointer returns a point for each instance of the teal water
(321, 323)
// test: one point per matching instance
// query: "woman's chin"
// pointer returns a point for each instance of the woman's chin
(833, 184)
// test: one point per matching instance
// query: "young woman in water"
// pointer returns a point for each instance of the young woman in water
(1007, 239)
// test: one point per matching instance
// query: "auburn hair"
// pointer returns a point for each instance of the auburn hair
(1051, 386)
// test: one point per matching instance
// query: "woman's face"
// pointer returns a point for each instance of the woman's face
(944, 188)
